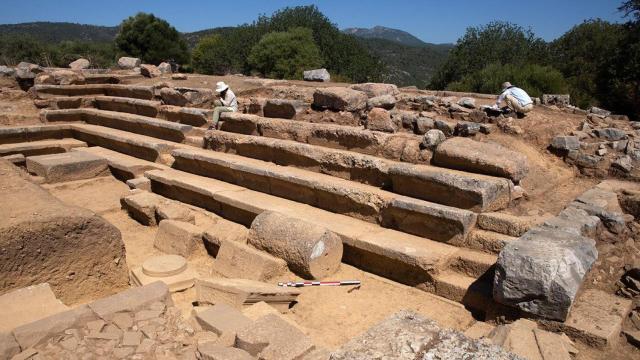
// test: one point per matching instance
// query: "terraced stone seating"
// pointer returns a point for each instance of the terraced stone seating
(397, 215)
(51, 91)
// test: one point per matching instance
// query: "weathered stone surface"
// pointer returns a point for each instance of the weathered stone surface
(79, 64)
(175, 211)
(139, 183)
(178, 238)
(597, 317)
(433, 138)
(479, 192)
(380, 120)
(150, 71)
(164, 68)
(86, 251)
(541, 271)
(446, 127)
(67, 166)
(272, 338)
(28, 304)
(599, 111)
(467, 102)
(237, 260)
(611, 134)
(383, 101)
(465, 128)
(376, 89)
(223, 231)
(310, 251)
(179, 77)
(8, 345)
(282, 108)
(339, 99)
(565, 143)
(574, 220)
(132, 300)
(142, 206)
(321, 75)
(222, 318)
(7, 71)
(213, 351)
(630, 202)
(31, 334)
(172, 270)
(623, 163)
(243, 292)
(409, 336)
(128, 62)
(556, 99)
(484, 158)
(506, 224)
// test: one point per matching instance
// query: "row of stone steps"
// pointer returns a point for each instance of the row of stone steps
(43, 92)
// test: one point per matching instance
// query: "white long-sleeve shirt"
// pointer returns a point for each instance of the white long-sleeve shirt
(230, 100)
(520, 95)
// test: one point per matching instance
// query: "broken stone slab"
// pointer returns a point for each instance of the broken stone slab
(597, 317)
(40, 147)
(409, 336)
(222, 231)
(237, 260)
(140, 183)
(480, 157)
(541, 272)
(222, 319)
(39, 233)
(132, 300)
(283, 108)
(67, 166)
(28, 304)
(150, 71)
(611, 134)
(33, 333)
(339, 99)
(320, 75)
(311, 251)
(213, 351)
(178, 238)
(142, 206)
(243, 292)
(576, 221)
(272, 338)
(387, 102)
(614, 222)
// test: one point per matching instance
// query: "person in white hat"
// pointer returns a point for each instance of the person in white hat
(516, 99)
(227, 103)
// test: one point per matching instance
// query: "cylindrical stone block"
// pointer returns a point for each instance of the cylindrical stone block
(311, 251)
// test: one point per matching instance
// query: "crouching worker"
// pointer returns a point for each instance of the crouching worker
(517, 100)
(226, 103)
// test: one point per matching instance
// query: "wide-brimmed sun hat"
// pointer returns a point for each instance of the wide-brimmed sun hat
(221, 86)
(506, 85)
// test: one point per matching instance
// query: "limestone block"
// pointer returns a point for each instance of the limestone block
(67, 166)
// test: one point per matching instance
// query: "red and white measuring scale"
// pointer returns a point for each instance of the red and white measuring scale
(318, 283)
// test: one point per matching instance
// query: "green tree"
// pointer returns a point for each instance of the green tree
(581, 53)
(534, 79)
(285, 55)
(494, 43)
(151, 39)
(212, 56)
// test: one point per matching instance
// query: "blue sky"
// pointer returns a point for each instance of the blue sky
(431, 20)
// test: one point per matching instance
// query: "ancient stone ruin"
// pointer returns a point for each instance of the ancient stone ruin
(132, 231)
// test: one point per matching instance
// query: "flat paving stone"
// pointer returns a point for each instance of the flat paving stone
(67, 166)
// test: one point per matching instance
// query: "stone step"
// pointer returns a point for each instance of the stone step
(486, 241)
(470, 291)
(449, 187)
(508, 224)
(131, 91)
(393, 254)
(400, 146)
(365, 202)
(140, 146)
(186, 115)
(41, 147)
(122, 166)
(142, 107)
(20, 134)
(472, 263)
(129, 122)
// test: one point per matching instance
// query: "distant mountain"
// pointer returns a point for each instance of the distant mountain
(53, 32)
(381, 32)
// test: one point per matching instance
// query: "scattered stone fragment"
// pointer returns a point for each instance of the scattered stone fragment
(131, 300)
(213, 351)
(469, 103)
(611, 134)
(150, 71)
(432, 139)
(376, 89)
(465, 128)
(179, 77)
(283, 108)
(146, 345)
(237, 260)
(387, 102)
(623, 163)
(380, 120)
(565, 143)
(165, 68)
(178, 238)
(175, 211)
(80, 64)
(128, 62)
(271, 338)
(339, 99)
(223, 320)
(599, 111)
(140, 183)
(131, 338)
(142, 206)
(122, 320)
(321, 75)
(447, 128)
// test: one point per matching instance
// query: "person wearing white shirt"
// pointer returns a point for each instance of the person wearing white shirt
(227, 103)
(516, 99)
